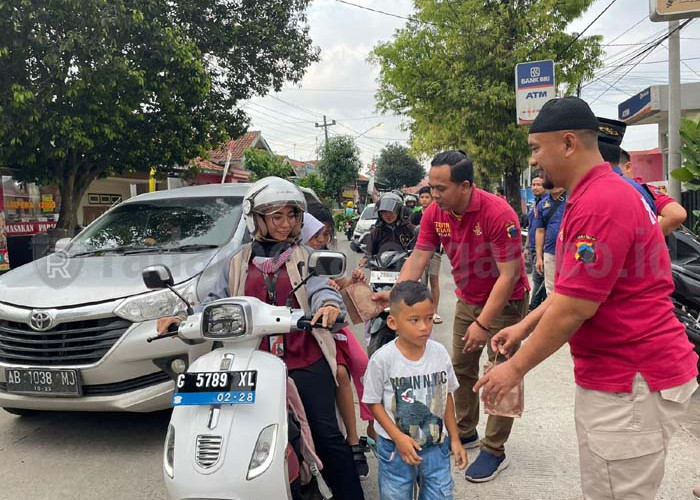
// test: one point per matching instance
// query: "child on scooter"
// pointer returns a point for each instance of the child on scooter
(351, 357)
(409, 387)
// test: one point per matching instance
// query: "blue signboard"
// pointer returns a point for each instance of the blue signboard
(635, 106)
(534, 86)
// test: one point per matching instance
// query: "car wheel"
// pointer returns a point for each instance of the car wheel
(21, 412)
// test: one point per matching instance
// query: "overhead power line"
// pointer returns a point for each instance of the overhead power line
(643, 55)
(390, 14)
(558, 58)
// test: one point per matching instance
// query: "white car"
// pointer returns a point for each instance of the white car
(367, 219)
(73, 325)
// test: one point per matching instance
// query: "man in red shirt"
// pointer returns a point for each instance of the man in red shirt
(481, 236)
(611, 303)
(671, 213)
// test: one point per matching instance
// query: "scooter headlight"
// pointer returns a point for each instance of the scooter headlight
(169, 452)
(221, 321)
(264, 452)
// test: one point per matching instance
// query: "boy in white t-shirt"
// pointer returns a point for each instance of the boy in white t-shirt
(409, 386)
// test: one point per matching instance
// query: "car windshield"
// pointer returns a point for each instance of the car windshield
(370, 212)
(174, 224)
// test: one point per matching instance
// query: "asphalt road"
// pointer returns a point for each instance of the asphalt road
(76, 456)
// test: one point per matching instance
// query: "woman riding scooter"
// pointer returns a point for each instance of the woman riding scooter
(267, 269)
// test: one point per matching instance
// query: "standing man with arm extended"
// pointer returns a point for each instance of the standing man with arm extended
(611, 303)
(539, 293)
(481, 236)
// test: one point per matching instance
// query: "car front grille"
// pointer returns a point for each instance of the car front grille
(68, 344)
(208, 450)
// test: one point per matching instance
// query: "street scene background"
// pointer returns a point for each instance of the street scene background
(84, 456)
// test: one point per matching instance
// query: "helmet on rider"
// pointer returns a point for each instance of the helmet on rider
(349, 204)
(268, 196)
(410, 200)
(390, 202)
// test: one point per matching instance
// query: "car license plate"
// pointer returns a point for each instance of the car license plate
(41, 382)
(215, 388)
(383, 277)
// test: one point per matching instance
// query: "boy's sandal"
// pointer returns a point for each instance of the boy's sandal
(358, 455)
(437, 319)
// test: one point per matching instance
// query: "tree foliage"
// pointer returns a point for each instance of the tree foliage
(96, 87)
(264, 164)
(339, 164)
(397, 167)
(451, 71)
(689, 173)
(315, 182)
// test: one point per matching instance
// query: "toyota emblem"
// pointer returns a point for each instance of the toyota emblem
(41, 320)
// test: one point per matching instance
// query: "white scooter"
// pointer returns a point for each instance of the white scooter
(227, 437)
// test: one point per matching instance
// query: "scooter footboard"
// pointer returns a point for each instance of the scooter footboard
(214, 445)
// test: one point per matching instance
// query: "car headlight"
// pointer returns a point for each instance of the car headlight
(263, 453)
(220, 321)
(154, 305)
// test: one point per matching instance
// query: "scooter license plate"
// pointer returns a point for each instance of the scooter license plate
(383, 277)
(215, 388)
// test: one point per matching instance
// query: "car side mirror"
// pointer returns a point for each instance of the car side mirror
(325, 263)
(156, 277)
(61, 244)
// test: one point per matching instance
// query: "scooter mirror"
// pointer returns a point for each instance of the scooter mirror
(324, 263)
(155, 277)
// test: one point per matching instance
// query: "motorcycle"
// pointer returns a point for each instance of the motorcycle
(348, 228)
(228, 433)
(684, 247)
(384, 271)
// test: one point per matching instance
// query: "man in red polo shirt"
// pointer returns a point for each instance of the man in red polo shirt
(481, 236)
(611, 303)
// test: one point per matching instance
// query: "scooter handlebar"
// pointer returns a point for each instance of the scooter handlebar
(304, 323)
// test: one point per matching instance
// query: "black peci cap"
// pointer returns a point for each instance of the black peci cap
(611, 131)
(564, 113)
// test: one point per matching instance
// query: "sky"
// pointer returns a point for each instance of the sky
(341, 85)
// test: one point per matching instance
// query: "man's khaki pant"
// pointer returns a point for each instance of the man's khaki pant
(467, 369)
(550, 263)
(623, 438)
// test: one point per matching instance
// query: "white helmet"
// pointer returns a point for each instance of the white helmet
(271, 193)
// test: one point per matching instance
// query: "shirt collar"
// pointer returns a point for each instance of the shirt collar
(475, 201)
(587, 180)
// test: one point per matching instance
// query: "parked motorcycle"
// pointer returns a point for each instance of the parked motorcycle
(228, 434)
(684, 247)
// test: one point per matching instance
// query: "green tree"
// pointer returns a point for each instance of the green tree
(397, 167)
(689, 173)
(315, 182)
(339, 164)
(451, 72)
(90, 88)
(264, 164)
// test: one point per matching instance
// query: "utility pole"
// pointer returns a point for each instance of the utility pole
(325, 129)
(674, 108)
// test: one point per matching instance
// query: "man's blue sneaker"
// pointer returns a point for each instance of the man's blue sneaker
(470, 442)
(486, 467)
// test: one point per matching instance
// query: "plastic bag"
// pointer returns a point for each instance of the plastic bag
(512, 404)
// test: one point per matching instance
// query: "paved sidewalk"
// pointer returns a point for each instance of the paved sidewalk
(542, 449)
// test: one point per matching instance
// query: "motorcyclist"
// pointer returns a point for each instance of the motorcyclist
(266, 268)
(391, 231)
